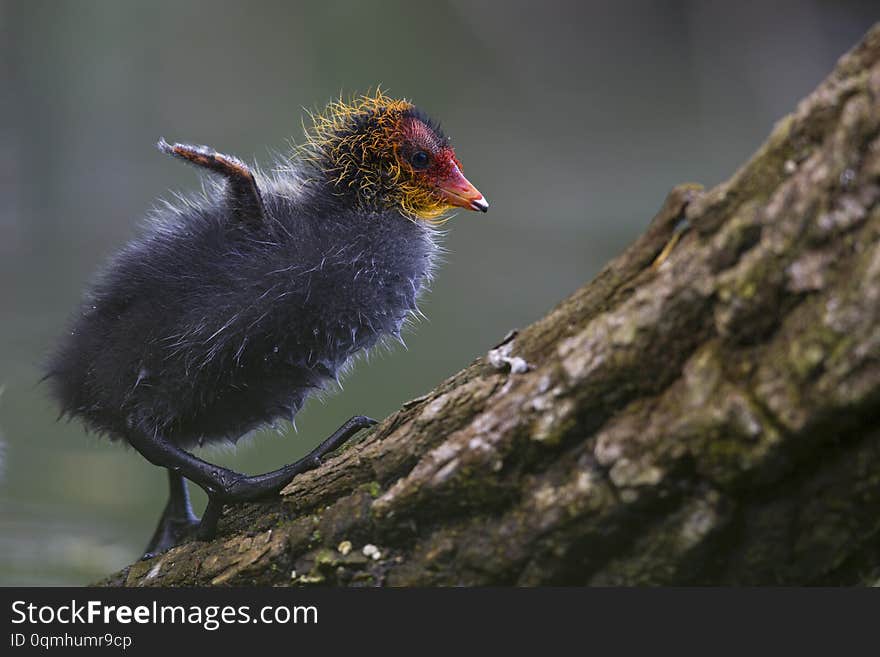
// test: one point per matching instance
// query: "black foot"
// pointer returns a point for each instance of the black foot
(169, 535)
(262, 486)
(222, 485)
(178, 522)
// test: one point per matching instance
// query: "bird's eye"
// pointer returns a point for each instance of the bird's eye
(419, 160)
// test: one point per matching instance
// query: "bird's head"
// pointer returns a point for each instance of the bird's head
(385, 153)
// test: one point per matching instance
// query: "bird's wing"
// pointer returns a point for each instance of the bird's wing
(241, 189)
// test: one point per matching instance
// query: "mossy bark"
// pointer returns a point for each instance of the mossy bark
(706, 417)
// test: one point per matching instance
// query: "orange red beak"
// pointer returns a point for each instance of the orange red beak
(458, 191)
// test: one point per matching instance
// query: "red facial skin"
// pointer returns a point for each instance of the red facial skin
(444, 171)
(452, 185)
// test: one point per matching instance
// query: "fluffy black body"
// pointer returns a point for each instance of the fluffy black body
(214, 324)
(238, 304)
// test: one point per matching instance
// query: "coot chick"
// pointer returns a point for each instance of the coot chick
(240, 302)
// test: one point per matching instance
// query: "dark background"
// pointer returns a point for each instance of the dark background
(574, 119)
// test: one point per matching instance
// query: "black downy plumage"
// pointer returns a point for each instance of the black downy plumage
(236, 305)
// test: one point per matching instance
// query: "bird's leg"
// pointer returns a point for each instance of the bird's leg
(225, 486)
(177, 521)
(271, 482)
(210, 518)
(242, 191)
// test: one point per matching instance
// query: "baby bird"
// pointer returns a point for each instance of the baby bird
(239, 303)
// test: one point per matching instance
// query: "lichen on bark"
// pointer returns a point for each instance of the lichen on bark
(709, 417)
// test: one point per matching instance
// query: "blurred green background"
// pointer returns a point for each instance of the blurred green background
(574, 119)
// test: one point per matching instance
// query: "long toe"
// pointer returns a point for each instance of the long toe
(169, 534)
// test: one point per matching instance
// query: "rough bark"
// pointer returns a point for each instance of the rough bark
(707, 417)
